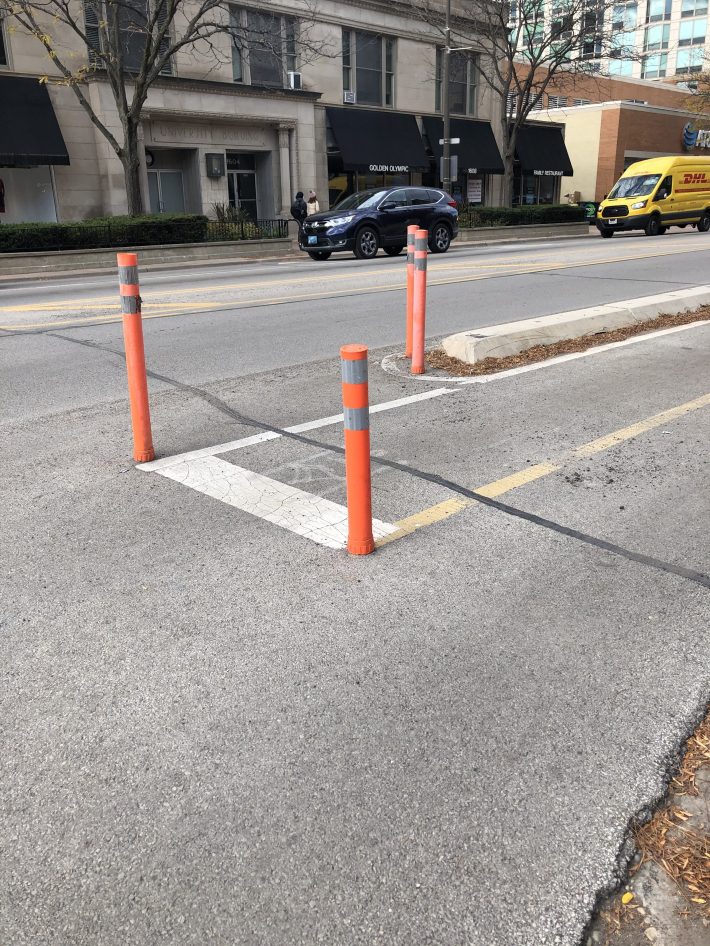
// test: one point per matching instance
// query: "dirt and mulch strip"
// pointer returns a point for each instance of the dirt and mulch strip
(438, 360)
(666, 899)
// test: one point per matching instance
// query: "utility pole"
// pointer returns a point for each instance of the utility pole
(445, 106)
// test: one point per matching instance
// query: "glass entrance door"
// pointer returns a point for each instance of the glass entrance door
(166, 191)
(241, 183)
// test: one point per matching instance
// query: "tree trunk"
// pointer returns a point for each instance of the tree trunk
(130, 159)
(508, 178)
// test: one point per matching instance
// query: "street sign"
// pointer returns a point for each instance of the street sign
(452, 141)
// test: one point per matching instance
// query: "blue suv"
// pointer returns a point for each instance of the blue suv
(368, 220)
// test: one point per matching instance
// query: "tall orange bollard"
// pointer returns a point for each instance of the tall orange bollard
(419, 315)
(411, 231)
(135, 357)
(356, 410)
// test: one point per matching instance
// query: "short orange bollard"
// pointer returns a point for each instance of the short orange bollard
(356, 411)
(419, 315)
(135, 357)
(411, 231)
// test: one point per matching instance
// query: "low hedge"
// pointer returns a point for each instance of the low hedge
(148, 230)
(476, 216)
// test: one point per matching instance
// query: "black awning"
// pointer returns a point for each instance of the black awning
(540, 149)
(477, 151)
(380, 142)
(29, 130)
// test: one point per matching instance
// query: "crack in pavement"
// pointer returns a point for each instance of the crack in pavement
(639, 558)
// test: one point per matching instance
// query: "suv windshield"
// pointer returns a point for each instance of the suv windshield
(640, 185)
(361, 199)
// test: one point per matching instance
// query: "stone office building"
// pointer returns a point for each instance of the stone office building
(255, 124)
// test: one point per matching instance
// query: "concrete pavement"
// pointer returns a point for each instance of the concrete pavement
(218, 731)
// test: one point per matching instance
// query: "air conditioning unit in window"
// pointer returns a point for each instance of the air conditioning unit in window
(349, 98)
(294, 80)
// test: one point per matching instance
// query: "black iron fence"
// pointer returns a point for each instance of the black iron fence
(120, 232)
(247, 230)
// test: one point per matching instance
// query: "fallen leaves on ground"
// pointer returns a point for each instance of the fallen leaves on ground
(439, 360)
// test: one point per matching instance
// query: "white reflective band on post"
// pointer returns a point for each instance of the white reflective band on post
(356, 418)
(420, 262)
(354, 372)
(128, 275)
(420, 243)
(130, 305)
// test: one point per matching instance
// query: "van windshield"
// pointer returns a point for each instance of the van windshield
(640, 185)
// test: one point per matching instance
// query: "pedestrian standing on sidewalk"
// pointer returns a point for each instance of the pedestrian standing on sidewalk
(299, 212)
(313, 205)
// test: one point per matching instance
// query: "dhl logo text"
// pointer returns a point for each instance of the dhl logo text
(697, 178)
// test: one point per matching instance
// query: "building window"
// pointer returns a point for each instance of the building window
(692, 32)
(557, 101)
(624, 16)
(689, 60)
(132, 22)
(658, 10)
(368, 67)
(694, 7)
(263, 47)
(621, 67)
(463, 77)
(3, 48)
(656, 37)
(655, 67)
(581, 102)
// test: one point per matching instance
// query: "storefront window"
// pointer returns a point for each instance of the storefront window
(368, 67)
(3, 51)
(530, 188)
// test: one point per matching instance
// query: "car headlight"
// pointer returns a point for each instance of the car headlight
(339, 221)
(639, 204)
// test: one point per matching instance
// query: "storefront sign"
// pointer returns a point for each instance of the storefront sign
(695, 138)
(389, 168)
(548, 173)
(474, 192)
(209, 134)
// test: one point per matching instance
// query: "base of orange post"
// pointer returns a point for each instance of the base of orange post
(361, 548)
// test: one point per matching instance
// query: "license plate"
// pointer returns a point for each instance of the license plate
(612, 220)
(313, 240)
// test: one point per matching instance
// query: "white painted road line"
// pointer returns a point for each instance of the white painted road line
(156, 466)
(313, 517)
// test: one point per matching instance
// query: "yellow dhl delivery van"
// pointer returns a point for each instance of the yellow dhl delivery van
(656, 194)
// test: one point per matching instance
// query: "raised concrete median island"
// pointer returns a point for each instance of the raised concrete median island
(511, 338)
(528, 231)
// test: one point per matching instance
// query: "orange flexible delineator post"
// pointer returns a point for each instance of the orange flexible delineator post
(135, 357)
(411, 231)
(356, 411)
(419, 315)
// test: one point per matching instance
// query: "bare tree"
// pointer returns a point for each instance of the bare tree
(132, 43)
(525, 46)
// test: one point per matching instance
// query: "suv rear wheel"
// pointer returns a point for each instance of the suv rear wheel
(440, 240)
(367, 242)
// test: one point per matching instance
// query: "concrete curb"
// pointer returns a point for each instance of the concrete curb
(521, 234)
(498, 341)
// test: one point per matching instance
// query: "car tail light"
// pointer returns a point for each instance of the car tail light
(452, 203)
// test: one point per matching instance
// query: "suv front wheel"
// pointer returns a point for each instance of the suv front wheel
(367, 242)
(440, 240)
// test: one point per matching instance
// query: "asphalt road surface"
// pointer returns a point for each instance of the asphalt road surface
(218, 730)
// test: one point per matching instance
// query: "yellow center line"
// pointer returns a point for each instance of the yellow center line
(510, 267)
(450, 507)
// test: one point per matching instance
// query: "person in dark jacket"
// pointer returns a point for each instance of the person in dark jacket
(299, 211)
